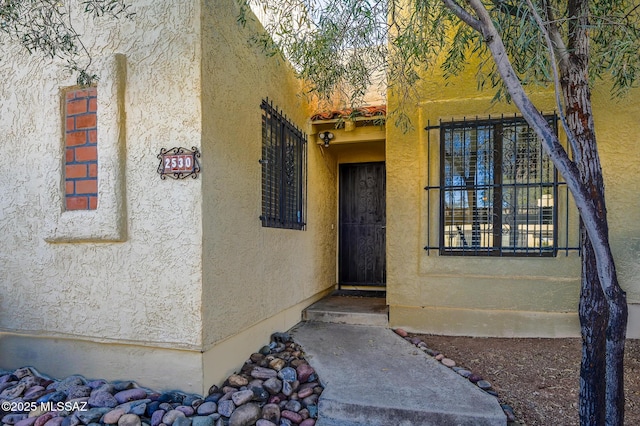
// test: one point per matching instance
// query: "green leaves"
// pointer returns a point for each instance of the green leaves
(615, 43)
(343, 46)
(338, 46)
(46, 27)
(39, 26)
(113, 8)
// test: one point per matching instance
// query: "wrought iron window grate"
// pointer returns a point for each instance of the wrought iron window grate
(499, 193)
(284, 171)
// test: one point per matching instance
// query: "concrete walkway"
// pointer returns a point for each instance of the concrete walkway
(373, 377)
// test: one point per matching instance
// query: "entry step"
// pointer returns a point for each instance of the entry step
(349, 310)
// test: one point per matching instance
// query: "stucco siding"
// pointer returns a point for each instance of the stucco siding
(252, 273)
(169, 270)
(142, 286)
(618, 132)
(489, 295)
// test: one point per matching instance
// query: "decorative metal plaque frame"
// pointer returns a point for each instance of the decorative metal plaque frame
(179, 163)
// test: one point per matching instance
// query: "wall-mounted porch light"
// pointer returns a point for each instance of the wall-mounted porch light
(325, 137)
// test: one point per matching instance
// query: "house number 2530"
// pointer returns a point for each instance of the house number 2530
(175, 163)
(179, 163)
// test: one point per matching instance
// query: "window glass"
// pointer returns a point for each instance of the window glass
(497, 189)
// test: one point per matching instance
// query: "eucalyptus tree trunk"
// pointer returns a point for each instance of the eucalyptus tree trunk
(593, 326)
(603, 316)
(584, 180)
(592, 310)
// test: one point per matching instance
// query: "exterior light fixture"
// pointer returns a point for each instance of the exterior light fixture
(325, 137)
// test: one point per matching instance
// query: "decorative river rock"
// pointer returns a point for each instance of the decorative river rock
(255, 395)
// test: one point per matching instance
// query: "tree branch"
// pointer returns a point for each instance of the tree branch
(625, 17)
(517, 92)
(556, 82)
(554, 34)
(464, 16)
(596, 229)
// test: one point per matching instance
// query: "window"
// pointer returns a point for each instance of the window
(497, 189)
(284, 169)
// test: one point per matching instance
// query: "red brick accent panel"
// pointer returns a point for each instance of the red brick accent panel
(81, 149)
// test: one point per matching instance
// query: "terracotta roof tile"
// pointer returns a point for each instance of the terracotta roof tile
(368, 111)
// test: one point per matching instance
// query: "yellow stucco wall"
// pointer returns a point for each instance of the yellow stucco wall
(169, 274)
(495, 296)
(251, 273)
(618, 132)
(172, 283)
(136, 290)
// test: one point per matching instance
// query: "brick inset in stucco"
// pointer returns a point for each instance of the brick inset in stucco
(81, 151)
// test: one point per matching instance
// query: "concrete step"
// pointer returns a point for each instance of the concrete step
(349, 310)
(372, 377)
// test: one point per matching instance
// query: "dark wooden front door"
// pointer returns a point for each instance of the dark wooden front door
(362, 224)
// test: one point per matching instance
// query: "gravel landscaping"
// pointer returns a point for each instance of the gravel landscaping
(275, 387)
(539, 378)
(535, 381)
